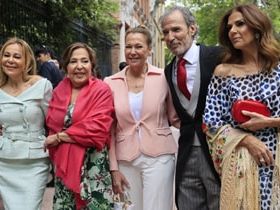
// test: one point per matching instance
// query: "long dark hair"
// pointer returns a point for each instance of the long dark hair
(268, 46)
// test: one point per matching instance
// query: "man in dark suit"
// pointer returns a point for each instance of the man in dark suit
(197, 183)
(48, 68)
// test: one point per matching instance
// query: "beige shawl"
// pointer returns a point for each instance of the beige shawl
(239, 172)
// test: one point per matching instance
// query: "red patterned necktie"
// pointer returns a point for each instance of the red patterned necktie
(182, 77)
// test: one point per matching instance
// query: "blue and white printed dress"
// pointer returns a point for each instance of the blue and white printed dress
(263, 87)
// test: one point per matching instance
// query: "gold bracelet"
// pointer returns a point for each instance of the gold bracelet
(58, 138)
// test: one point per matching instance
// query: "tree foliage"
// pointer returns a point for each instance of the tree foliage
(57, 23)
(97, 14)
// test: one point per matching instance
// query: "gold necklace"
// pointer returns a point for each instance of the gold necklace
(135, 82)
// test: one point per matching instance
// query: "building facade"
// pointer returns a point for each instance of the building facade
(139, 12)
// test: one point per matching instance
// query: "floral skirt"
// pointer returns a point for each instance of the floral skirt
(96, 186)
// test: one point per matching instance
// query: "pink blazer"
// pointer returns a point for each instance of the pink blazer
(157, 112)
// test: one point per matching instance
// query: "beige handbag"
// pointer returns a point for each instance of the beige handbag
(122, 202)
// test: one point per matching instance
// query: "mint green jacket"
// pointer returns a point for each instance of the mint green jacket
(23, 122)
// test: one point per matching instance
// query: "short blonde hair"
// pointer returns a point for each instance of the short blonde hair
(141, 29)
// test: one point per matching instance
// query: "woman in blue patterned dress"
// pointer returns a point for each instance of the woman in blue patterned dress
(246, 154)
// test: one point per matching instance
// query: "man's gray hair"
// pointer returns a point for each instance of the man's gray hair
(188, 16)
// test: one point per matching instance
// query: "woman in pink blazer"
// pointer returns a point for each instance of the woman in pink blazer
(142, 153)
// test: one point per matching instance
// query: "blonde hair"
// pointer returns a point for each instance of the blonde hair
(30, 62)
(141, 29)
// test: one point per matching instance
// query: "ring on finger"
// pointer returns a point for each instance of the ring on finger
(262, 160)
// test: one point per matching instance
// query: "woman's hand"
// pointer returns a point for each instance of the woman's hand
(257, 121)
(119, 182)
(63, 137)
(259, 151)
(51, 141)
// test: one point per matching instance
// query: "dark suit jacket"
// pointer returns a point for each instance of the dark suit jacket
(208, 58)
(51, 72)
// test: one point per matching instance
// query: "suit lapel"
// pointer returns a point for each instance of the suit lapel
(204, 77)
(208, 59)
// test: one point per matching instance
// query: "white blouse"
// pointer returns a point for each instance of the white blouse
(135, 102)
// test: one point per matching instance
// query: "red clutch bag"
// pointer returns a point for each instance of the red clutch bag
(248, 105)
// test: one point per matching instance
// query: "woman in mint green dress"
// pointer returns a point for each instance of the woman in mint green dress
(24, 96)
